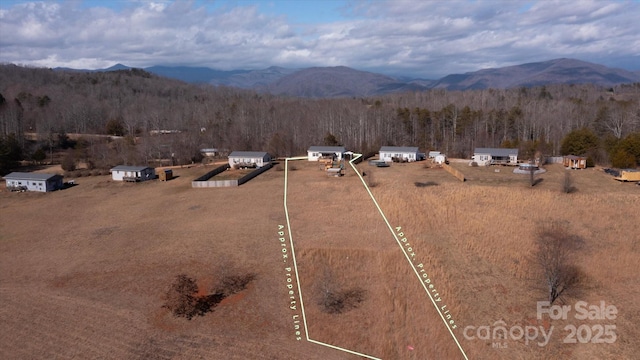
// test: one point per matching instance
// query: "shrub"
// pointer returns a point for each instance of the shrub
(341, 301)
(335, 298)
(181, 297)
(68, 162)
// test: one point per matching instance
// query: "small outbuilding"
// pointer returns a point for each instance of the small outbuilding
(132, 173)
(26, 181)
(210, 152)
(440, 159)
(399, 153)
(629, 175)
(574, 162)
(495, 156)
(249, 159)
(316, 153)
(165, 175)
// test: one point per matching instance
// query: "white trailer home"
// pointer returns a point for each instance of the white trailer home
(400, 153)
(132, 173)
(495, 156)
(249, 159)
(25, 181)
(335, 153)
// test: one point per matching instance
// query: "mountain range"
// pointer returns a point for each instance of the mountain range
(341, 81)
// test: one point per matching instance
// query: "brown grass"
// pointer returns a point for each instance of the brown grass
(83, 271)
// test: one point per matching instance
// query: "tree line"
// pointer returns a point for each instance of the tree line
(142, 118)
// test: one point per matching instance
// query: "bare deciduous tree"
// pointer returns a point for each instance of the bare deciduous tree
(554, 256)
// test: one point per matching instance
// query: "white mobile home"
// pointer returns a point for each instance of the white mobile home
(315, 153)
(132, 173)
(248, 159)
(24, 181)
(400, 153)
(495, 156)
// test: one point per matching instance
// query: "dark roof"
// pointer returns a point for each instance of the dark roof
(339, 149)
(129, 168)
(402, 149)
(248, 154)
(496, 151)
(30, 176)
(574, 157)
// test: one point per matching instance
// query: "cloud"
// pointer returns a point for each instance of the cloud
(426, 39)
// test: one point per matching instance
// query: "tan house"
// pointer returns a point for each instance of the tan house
(574, 162)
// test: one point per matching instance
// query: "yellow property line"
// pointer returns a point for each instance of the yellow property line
(406, 255)
(295, 267)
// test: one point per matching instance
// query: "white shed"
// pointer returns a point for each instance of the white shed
(401, 153)
(440, 159)
(133, 173)
(249, 159)
(33, 181)
(315, 153)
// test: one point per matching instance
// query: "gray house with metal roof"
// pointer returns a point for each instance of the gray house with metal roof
(249, 159)
(315, 153)
(400, 153)
(132, 173)
(25, 181)
(495, 156)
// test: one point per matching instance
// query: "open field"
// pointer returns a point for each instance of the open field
(83, 271)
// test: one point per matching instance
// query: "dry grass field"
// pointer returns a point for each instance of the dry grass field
(83, 271)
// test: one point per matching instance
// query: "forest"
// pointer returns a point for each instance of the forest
(102, 119)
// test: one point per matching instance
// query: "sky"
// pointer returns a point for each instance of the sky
(416, 38)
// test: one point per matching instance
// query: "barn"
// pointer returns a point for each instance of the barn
(249, 159)
(132, 173)
(25, 181)
(495, 156)
(315, 153)
(399, 153)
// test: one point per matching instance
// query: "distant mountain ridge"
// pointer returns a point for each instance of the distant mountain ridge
(558, 71)
(342, 81)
